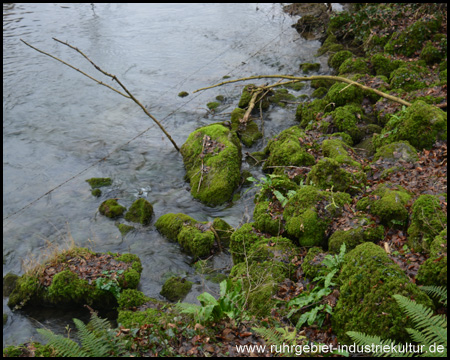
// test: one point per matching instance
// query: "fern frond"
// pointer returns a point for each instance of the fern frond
(272, 336)
(440, 292)
(64, 346)
(363, 339)
(95, 346)
(421, 315)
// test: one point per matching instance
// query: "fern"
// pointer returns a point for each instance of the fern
(429, 331)
(280, 337)
(440, 292)
(95, 337)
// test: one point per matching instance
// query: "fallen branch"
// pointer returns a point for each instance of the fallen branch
(316, 77)
(128, 93)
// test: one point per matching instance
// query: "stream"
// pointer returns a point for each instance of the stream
(57, 124)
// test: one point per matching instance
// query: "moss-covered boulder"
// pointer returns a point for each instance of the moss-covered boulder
(76, 277)
(330, 174)
(153, 313)
(111, 208)
(428, 219)
(132, 298)
(141, 211)
(399, 150)
(308, 112)
(312, 263)
(368, 280)
(241, 241)
(336, 60)
(434, 270)
(309, 212)
(196, 238)
(408, 77)
(347, 118)
(389, 203)
(248, 132)
(309, 67)
(286, 150)
(9, 283)
(341, 97)
(431, 54)
(267, 264)
(362, 230)
(212, 158)
(354, 66)
(337, 149)
(176, 288)
(382, 64)
(124, 228)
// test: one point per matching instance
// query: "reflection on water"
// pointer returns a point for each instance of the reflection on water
(57, 123)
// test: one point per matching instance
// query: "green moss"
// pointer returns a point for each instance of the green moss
(336, 149)
(296, 86)
(170, 225)
(286, 150)
(220, 98)
(365, 230)
(330, 174)
(428, 219)
(196, 242)
(383, 64)
(141, 211)
(224, 230)
(319, 93)
(221, 156)
(401, 150)
(213, 105)
(183, 94)
(99, 182)
(9, 283)
(330, 45)
(336, 60)
(33, 349)
(438, 246)
(309, 67)
(420, 118)
(124, 229)
(111, 208)
(430, 54)
(130, 298)
(26, 289)
(312, 263)
(267, 220)
(341, 97)
(136, 319)
(129, 279)
(67, 287)
(368, 280)
(241, 242)
(281, 96)
(131, 259)
(175, 288)
(354, 66)
(246, 96)
(346, 119)
(433, 272)
(96, 192)
(408, 77)
(301, 214)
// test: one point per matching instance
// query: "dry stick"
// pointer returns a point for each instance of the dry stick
(251, 105)
(217, 238)
(316, 77)
(129, 96)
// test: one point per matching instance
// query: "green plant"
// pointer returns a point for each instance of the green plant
(430, 332)
(314, 299)
(109, 283)
(97, 340)
(280, 337)
(230, 303)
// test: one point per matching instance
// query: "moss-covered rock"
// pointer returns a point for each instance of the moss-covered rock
(420, 118)
(96, 192)
(330, 174)
(430, 54)
(241, 241)
(363, 230)
(309, 67)
(408, 77)
(9, 283)
(132, 298)
(388, 202)
(141, 211)
(212, 158)
(368, 280)
(428, 219)
(336, 149)
(246, 96)
(336, 60)
(281, 96)
(183, 94)
(308, 112)
(433, 272)
(99, 182)
(438, 246)
(223, 230)
(354, 66)
(347, 118)
(319, 93)
(312, 263)
(213, 105)
(111, 208)
(124, 228)
(248, 132)
(400, 150)
(176, 288)
(65, 280)
(341, 97)
(383, 64)
(268, 220)
(195, 237)
(286, 150)
(308, 213)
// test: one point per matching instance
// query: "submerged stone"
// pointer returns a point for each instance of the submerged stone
(141, 211)
(176, 289)
(212, 158)
(111, 208)
(99, 182)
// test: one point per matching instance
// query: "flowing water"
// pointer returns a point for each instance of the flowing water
(57, 123)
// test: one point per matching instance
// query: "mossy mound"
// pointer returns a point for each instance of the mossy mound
(176, 288)
(408, 77)
(249, 132)
(363, 230)
(308, 112)
(124, 228)
(336, 60)
(9, 283)
(309, 67)
(99, 182)
(420, 118)
(241, 241)
(433, 272)
(153, 313)
(312, 263)
(77, 277)
(212, 158)
(431, 54)
(341, 97)
(337, 149)
(132, 298)
(428, 219)
(388, 204)
(330, 174)
(368, 280)
(281, 96)
(309, 212)
(196, 238)
(399, 150)
(354, 66)
(268, 220)
(286, 150)
(382, 64)
(111, 208)
(347, 118)
(141, 211)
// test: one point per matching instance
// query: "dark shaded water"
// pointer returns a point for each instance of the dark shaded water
(57, 123)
